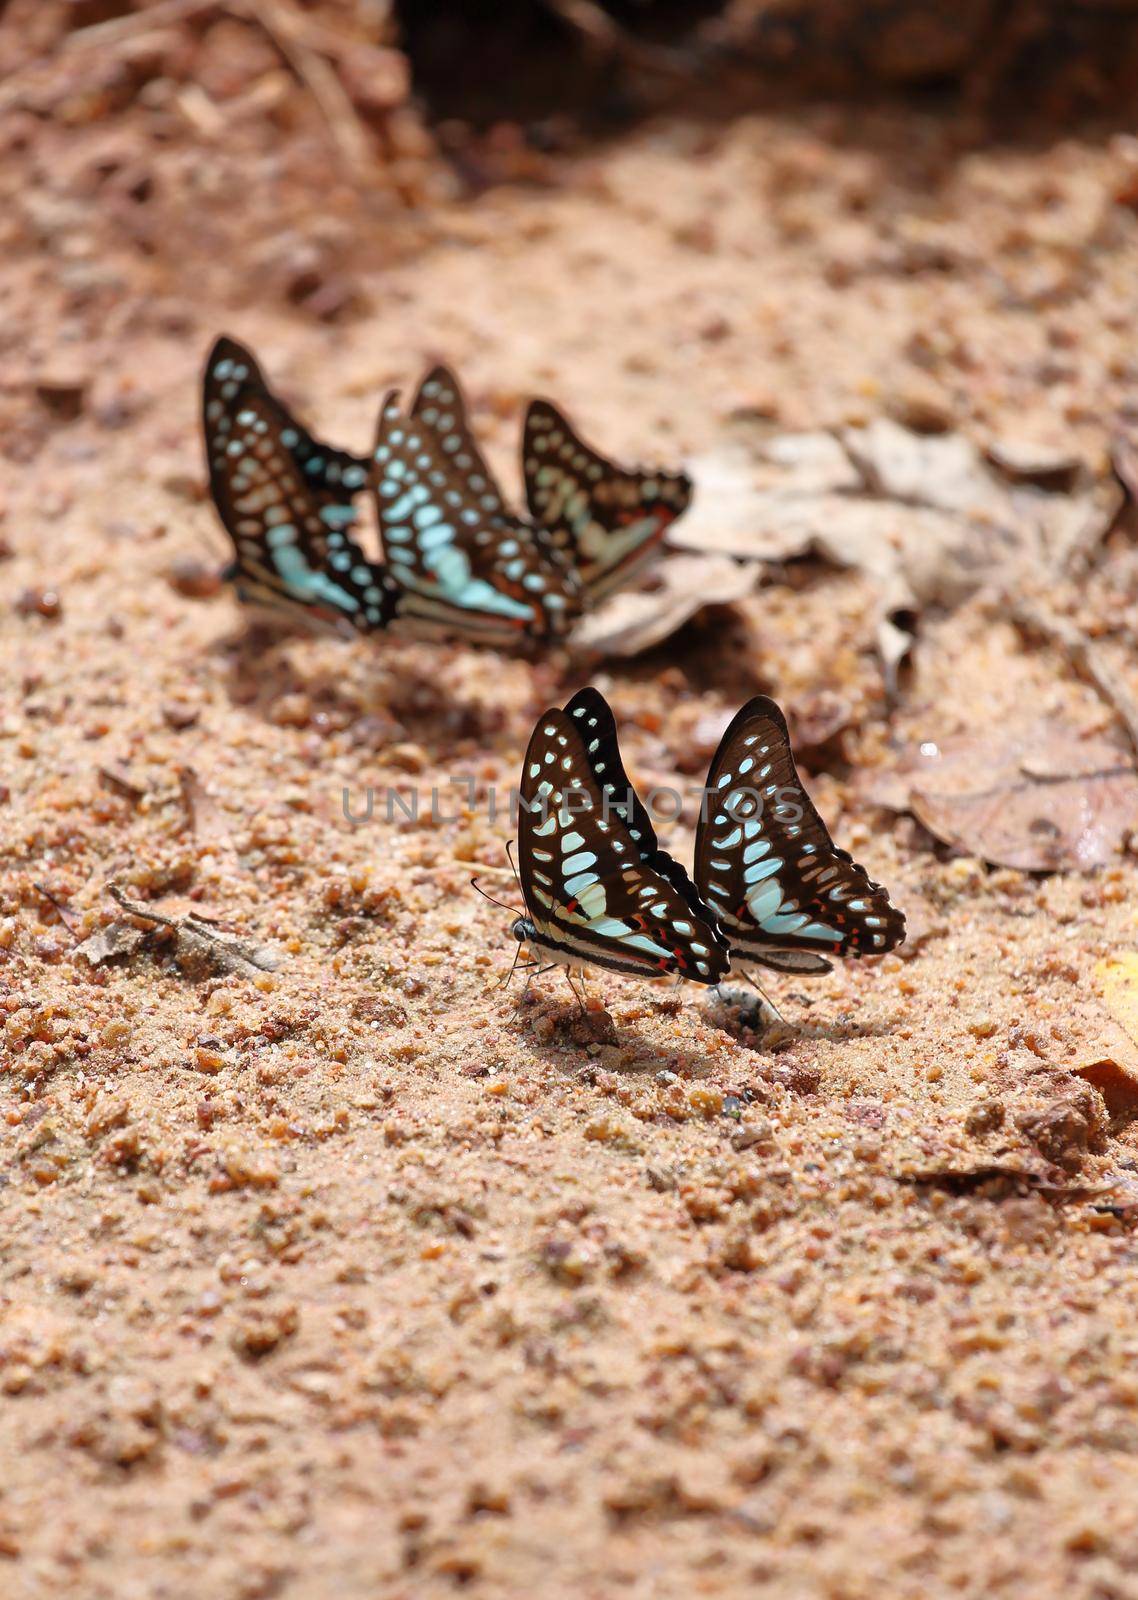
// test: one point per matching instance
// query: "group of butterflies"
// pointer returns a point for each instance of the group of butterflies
(768, 884)
(456, 561)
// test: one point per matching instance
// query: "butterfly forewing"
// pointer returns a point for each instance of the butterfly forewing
(593, 715)
(466, 562)
(765, 862)
(610, 521)
(233, 378)
(285, 501)
(588, 890)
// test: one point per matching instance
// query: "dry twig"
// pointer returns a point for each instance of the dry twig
(285, 27)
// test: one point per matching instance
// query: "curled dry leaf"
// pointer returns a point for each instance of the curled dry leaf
(1111, 1063)
(1032, 461)
(632, 622)
(1038, 797)
(929, 519)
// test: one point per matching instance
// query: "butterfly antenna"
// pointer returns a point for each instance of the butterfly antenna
(513, 867)
(474, 884)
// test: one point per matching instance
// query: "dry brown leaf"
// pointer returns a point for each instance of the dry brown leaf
(1038, 797)
(929, 519)
(630, 623)
(119, 938)
(1034, 461)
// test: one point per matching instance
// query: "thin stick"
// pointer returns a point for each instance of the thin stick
(116, 30)
(482, 866)
(50, 898)
(604, 34)
(141, 911)
(286, 29)
(1085, 656)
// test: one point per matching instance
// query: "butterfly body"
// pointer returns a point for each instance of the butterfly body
(286, 501)
(785, 896)
(609, 520)
(466, 565)
(598, 889)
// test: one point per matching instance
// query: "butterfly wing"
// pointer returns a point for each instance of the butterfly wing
(609, 520)
(285, 501)
(467, 564)
(593, 714)
(764, 860)
(233, 378)
(588, 890)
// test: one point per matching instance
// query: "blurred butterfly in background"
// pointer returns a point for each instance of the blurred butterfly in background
(597, 887)
(608, 520)
(467, 564)
(784, 895)
(471, 566)
(286, 501)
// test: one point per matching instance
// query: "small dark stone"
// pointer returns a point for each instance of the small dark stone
(177, 715)
(40, 603)
(194, 579)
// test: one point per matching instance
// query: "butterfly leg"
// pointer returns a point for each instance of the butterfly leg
(573, 986)
(534, 972)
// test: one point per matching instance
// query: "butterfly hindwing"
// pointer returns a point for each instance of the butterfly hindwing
(285, 501)
(468, 565)
(765, 862)
(589, 891)
(610, 521)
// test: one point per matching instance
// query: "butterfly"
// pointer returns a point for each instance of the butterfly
(285, 500)
(610, 521)
(466, 564)
(598, 889)
(785, 896)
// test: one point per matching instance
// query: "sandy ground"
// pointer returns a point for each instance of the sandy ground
(355, 1278)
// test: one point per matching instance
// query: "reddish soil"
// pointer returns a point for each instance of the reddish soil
(359, 1278)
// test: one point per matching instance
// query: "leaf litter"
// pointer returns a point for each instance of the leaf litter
(929, 519)
(1039, 797)
(636, 620)
(194, 936)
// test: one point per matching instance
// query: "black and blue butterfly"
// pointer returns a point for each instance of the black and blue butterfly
(286, 501)
(608, 520)
(782, 892)
(469, 565)
(598, 889)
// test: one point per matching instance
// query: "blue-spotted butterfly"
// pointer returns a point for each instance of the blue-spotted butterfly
(608, 520)
(465, 563)
(597, 887)
(285, 500)
(785, 896)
